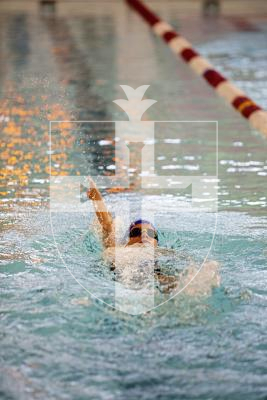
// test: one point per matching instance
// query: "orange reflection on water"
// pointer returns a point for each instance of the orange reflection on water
(24, 147)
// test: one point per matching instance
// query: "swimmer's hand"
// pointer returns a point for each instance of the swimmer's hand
(93, 193)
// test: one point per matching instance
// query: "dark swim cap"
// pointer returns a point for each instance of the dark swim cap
(141, 221)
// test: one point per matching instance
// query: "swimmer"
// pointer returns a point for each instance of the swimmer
(141, 232)
(141, 245)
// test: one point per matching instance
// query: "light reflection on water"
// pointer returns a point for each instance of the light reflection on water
(25, 176)
(53, 334)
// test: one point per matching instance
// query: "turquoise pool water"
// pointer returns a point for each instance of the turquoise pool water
(57, 341)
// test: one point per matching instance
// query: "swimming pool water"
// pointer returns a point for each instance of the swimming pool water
(58, 342)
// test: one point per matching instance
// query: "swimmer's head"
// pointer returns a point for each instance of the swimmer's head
(142, 231)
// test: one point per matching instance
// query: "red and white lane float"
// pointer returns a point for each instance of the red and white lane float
(179, 45)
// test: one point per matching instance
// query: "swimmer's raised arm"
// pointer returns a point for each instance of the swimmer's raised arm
(102, 213)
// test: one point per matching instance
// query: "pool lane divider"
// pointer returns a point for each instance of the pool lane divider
(180, 46)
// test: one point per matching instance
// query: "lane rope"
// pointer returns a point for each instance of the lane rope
(222, 86)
